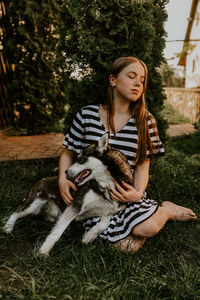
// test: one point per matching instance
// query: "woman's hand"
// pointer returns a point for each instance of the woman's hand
(130, 193)
(126, 194)
(65, 185)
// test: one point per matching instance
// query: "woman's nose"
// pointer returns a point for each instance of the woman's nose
(137, 81)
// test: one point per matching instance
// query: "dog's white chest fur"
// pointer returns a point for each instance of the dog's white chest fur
(95, 205)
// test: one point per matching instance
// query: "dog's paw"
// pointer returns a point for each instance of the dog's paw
(44, 254)
(8, 228)
(88, 237)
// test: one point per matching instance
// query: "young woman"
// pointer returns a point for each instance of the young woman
(133, 131)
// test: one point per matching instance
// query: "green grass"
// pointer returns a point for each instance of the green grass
(172, 115)
(167, 267)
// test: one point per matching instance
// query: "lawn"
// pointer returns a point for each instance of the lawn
(167, 267)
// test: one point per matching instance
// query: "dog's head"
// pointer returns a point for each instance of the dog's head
(98, 160)
(89, 164)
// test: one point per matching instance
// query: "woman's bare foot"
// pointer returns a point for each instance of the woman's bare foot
(179, 213)
(130, 244)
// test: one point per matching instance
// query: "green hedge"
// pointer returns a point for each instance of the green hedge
(49, 40)
(35, 88)
(95, 33)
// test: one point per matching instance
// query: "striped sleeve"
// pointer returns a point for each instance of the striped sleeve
(74, 140)
(158, 149)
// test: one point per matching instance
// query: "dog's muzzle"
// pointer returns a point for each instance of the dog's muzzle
(77, 179)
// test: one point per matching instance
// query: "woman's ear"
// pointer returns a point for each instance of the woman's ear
(112, 80)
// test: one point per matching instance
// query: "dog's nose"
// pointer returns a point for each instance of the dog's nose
(66, 172)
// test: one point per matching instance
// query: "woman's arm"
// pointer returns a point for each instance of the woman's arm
(141, 177)
(130, 193)
(65, 162)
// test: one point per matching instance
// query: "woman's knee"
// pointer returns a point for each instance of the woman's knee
(130, 244)
(146, 229)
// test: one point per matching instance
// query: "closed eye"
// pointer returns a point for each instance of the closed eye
(133, 75)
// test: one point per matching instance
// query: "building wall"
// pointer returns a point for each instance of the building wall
(193, 59)
(186, 101)
(193, 68)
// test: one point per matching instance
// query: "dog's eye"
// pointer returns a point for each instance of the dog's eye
(81, 158)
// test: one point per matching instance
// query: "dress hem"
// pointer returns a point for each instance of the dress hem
(129, 231)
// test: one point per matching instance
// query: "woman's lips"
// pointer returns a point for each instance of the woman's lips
(135, 91)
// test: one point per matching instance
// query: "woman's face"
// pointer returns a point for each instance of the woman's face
(128, 85)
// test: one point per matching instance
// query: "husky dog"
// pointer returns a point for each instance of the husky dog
(93, 174)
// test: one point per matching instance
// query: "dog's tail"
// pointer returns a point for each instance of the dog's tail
(65, 219)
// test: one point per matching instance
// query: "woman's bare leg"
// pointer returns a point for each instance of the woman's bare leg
(167, 211)
(130, 244)
(179, 213)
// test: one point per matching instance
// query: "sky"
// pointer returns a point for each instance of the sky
(176, 26)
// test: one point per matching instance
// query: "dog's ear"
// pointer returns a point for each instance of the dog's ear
(103, 143)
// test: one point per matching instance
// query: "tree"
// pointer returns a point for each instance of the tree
(170, 76)
(95, 33)
(36, 87)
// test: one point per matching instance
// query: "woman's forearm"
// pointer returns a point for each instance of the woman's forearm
(65, 185)
(65, 162)
(141, 177)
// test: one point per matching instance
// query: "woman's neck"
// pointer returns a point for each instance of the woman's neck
(121, 107)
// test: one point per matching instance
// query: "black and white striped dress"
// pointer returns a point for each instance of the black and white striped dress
(86, 129)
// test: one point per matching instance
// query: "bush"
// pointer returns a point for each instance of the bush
(197, 127)
(36, 86)
(105, 31)
(47, 41)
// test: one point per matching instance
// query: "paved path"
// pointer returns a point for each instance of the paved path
(29, 147)
(175, 130)
(50, 145)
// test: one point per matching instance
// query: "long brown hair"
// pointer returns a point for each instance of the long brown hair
(137, 109)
